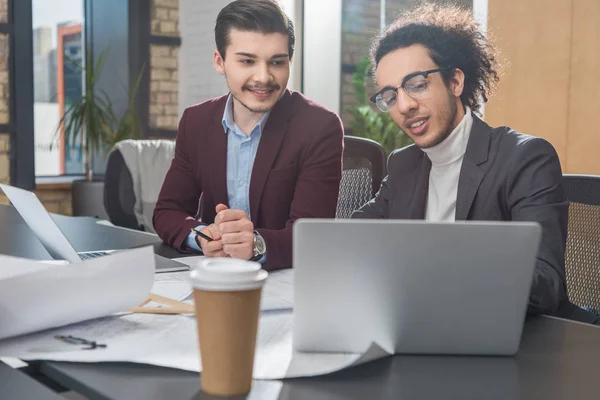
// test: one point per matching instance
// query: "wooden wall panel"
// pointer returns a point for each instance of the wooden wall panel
(583, 145)
(532, 97)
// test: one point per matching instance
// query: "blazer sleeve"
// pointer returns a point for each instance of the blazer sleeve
(379, 206)
(179, 196)
(535, 193)
(316, 192)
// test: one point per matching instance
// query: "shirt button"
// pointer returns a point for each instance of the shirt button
(241, 182)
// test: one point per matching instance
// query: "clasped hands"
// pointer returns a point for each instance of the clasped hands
(232, 234)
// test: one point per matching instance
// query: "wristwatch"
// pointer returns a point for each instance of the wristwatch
(260, 247)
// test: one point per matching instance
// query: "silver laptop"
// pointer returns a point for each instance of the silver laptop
(54, 240)
(412, 287)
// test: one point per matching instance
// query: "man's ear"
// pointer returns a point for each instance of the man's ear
(219, 62)
(457, 82)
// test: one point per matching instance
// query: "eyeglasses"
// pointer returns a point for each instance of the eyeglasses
(415, 85)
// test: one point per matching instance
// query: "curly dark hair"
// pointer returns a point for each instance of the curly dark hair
(454, 39)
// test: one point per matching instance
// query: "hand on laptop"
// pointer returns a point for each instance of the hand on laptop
(215, 247)
(236, 231)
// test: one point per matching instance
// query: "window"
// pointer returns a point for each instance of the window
(58, 54)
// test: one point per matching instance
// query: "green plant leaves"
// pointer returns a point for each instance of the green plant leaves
(91, 121)
(370, 123)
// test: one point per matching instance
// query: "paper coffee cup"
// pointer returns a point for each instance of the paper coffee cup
(227, 299)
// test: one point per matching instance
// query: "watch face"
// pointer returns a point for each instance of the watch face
(261, 247)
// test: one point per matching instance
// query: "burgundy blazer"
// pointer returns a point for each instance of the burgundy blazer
(296, 173)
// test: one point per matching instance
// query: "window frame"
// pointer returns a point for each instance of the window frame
(20, 77)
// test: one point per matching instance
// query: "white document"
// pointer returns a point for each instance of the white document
(276, 359)
(163, 340)
(35, 295)
(174, 285)
(171, 341)
(277, 293)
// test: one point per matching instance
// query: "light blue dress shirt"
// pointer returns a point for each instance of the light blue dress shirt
(241, 152)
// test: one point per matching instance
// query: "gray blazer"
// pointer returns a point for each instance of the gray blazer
(505, 176)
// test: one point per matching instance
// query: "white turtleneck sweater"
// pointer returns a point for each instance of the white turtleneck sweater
(446, 161)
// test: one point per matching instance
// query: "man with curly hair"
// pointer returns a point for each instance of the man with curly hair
(435, 68)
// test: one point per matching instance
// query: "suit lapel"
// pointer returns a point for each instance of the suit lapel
(420, 185)
(218, 154)
(268, 149)
(473, 167)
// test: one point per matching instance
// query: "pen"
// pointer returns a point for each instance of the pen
(202, 235)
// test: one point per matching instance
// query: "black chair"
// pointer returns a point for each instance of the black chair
(582, 255)
(364, 167)
(119, 198)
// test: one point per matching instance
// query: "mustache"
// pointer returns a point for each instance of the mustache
(270, 86)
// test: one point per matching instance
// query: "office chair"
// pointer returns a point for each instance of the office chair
(150, 160)
(582, 255)
(364, 167)
(119, 198)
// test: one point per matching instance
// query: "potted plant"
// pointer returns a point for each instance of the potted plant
(92, 123)
(370, 123)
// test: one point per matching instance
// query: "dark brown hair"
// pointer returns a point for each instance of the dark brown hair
(454, 39)
(264, 16)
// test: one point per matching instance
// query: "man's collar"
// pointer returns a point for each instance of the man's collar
(229, 123)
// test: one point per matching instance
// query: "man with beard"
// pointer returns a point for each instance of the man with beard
(261, 156)
(435, 68)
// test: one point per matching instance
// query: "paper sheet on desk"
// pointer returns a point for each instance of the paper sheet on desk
(277, 292)
(35, 295)
(170, 341)
(276, 359)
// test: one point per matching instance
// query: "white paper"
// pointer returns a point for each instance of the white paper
(163, 340)
(278, 291)
(276, 359)
(171, 341)
(191, 261)
(41, 295)
(174, 285)
(13, 266)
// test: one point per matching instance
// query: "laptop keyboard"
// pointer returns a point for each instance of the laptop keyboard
(87, 256)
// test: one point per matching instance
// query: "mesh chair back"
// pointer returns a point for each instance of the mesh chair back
(364, 167)
(582, 255)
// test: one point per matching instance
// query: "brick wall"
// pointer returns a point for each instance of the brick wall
(3, 10)
(164, 68)
(4, 89)
(4, 158)
(164, 86)
(56, 197)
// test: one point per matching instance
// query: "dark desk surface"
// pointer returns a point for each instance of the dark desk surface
(15, 385)
(557, 359)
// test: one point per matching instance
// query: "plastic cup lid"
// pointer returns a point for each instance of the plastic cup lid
(227, 274)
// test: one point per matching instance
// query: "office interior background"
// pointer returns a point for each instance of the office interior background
(549, 88)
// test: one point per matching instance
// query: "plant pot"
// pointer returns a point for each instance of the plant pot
(88, 198)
